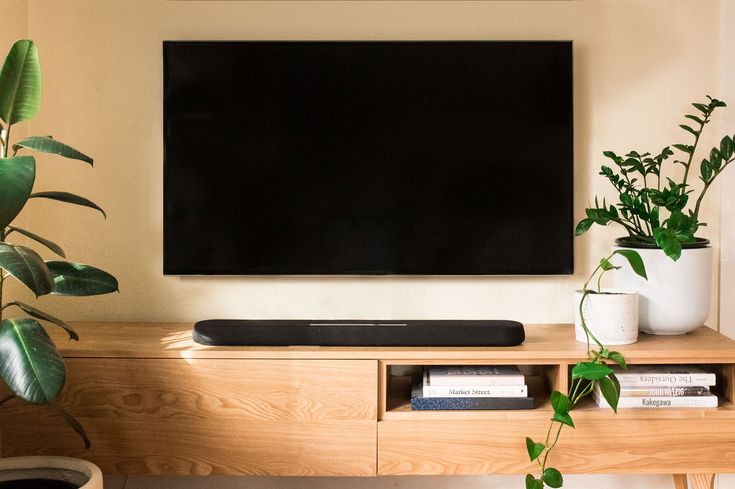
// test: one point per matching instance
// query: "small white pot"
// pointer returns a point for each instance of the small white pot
(611, 316)
(45, 467)
(676, 297)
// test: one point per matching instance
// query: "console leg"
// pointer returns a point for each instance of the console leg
(680, 481)
(702, 481)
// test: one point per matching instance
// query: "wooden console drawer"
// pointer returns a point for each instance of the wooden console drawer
(209, 416)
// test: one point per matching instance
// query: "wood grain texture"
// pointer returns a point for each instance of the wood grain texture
(702, 481)
(264, 417)
(607, 445)
(545, 343)
(680, 481)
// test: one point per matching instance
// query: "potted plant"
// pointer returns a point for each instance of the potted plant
(30, 365)
(661, 216)
(585, 375)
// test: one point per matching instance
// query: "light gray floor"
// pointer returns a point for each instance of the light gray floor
(456, 482)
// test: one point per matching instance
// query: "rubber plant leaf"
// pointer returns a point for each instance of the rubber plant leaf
(77, 279)
(29, 363)
(27, 266)
(39, 314)
(46, 144)
(20, 83)
(16, 180)
(40, 239)
(68, 198)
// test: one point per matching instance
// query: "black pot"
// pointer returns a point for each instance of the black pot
(38, 484)
(631, 242)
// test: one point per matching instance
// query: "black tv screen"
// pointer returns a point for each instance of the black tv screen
(416, 158)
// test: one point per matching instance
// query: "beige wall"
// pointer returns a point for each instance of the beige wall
(637, 66)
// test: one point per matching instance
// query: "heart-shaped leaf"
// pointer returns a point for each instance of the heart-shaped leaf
(77, 279)
(533, 483)
(25, 265)
(552, 478)
(29, 362)
(590, 371)
(560, 402)
(46, 144)
(17, 175)
(68, 198)
(534, 449)
(20, 83)
(635, 261)
(610, 392)
(563, 418)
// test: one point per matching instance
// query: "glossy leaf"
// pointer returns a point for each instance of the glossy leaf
(688, 129)
(77, 279)
(20, 83)
(29, 363)
(17, 176)
(726, 147)
(47, 243)
(534, 449)
(635, 261)
(68, 198)
(590, 371)
(609, 392)
(606, 265)
(583, 226)
(618, 358)
(560, 402)
(563, 418)
(667, 241)
(533, 483)
(47, 144)
(552, 478)
(705, 170)
(25, 265)
(39, 314)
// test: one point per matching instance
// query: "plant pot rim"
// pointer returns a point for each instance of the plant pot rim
(628, 242)
(608, 292)
(84, 467)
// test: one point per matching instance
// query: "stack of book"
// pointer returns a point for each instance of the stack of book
(663, 386)
(459, 387)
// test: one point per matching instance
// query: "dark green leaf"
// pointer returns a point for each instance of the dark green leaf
(705, 170)
(46, 144)
(590, 371)
(39, 314)
(80, 280)
(560, 402)
(47, 243)
(563, 418)
(17, 176)
(68, 198)
(583, 226)
(635, 261)
(702, 108)
(75, 425)
(726, 147)
(534, 449)
(684, 147)
(533, 483)
(20, 83)
(25, 265)
(29, 362)
(689, 129)
(552, 478)
(618, 358)
(666, 240)
(609, 392)
(695, 119)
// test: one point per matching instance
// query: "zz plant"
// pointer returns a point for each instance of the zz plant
(594, 371)
(30, 365)
(656, 210)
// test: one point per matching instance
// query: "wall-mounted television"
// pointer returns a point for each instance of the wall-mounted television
(375, 157)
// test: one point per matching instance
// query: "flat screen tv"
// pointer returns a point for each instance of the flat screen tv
(389, 157)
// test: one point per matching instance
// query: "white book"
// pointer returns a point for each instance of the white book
(664, 376)
(475, 375)
(472, 390)
(660, 402)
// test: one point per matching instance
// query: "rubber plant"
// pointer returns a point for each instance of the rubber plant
(652, 208)
(30, 365)
(595, 370)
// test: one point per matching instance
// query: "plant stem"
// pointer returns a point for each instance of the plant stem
(694, 148)
(706, 187)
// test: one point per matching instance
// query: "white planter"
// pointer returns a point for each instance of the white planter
(676, 297)
(46, 467)
(612, 317)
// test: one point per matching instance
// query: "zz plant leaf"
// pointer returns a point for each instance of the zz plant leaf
(30, 365)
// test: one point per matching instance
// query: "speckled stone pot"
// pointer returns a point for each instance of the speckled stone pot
(611, 316)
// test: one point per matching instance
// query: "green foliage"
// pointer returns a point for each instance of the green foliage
(30, 364)
(585, 376)
(651, 207)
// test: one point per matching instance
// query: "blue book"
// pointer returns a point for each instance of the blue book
(421, 403)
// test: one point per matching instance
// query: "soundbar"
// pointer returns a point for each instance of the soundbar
(273, 332)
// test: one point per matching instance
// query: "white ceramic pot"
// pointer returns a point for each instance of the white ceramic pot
(58, 468)
(676, 297)
(611, 316)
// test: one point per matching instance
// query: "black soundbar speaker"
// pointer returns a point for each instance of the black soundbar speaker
(256, 332)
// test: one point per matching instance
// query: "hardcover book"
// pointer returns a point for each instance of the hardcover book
(664, 376)
(421, 403)
(472, 390)
(475, 375)
(659, 402)
(677, 391)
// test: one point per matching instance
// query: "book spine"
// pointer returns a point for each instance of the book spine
(666, 380)
(470, 403)
(476, 391)
(661, 402)
(476, 380)
(678, 391)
